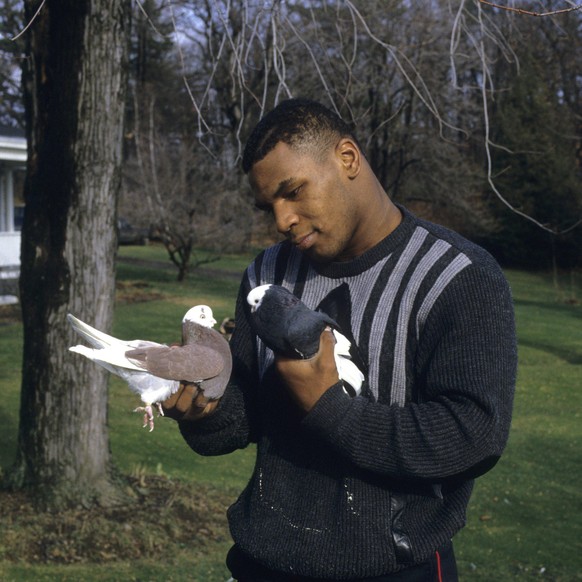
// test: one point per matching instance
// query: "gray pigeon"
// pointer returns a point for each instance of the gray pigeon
(287, 326)
(154, 371)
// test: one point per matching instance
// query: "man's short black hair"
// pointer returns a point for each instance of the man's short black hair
(300, 123)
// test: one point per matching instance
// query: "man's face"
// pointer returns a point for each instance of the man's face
(311, 201)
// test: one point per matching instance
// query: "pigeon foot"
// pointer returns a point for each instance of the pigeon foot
(148, 416)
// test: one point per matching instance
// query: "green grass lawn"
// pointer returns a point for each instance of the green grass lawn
(525, 517)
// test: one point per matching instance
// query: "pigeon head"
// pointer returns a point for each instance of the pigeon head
(200, 314)
(255, 297)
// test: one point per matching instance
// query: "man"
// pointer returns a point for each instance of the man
(370, 488)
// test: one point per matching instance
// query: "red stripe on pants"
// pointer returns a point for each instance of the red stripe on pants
(439, 572)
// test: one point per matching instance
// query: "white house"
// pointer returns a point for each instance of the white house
(12, 168)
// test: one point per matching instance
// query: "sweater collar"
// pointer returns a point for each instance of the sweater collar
(368, 259)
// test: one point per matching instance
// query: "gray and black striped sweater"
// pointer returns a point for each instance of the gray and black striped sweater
(364, 486)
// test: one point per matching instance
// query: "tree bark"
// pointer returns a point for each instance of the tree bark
(75, 82)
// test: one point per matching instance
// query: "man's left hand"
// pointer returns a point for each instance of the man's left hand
(307, 380)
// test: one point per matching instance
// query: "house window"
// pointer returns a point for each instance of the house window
(11, 199)
(18, 183)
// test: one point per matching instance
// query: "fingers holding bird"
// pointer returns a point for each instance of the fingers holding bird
(188, 403)
(308, 379)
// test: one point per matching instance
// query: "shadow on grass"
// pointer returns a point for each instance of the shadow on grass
(569, 355)
(8, 437)
(565, 309)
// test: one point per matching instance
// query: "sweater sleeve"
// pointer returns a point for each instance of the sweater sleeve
(457, 423)
(233, 424)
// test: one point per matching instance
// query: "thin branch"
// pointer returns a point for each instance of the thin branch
(419, 87)
(147, 16)
(489, 144)
(31, 21)
(201, 121)
(529, 12)
(315, 63)
(454, 41)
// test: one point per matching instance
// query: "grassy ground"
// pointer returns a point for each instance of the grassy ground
(524, 519)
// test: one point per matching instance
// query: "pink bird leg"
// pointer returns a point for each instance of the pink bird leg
(148, 417)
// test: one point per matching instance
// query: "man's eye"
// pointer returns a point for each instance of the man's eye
(292, 194)
(264, 208)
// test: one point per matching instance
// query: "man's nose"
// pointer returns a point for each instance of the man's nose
(285, 217)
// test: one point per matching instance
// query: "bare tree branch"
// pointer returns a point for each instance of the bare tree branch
(530, 12)
(31, 21)
(251, 44)
(489, 144)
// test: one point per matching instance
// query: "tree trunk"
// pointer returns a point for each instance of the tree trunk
(74, 98)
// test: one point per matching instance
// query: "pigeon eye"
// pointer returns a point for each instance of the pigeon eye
(202, 316)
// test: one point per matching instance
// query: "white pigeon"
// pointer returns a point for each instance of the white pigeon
(287, 326)
(154, 371)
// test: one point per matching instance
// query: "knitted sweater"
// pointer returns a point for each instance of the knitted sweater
(360, 487)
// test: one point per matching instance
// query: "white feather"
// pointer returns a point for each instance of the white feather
(255, 296)
(112, 358)
(149, 388)
(347, 370)
(109, 353)
(200, 314)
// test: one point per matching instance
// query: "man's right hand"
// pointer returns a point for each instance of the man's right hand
(188, 403)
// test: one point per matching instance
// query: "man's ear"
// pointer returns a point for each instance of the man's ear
(349, 157)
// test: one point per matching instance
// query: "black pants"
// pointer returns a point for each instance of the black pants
(440, 567)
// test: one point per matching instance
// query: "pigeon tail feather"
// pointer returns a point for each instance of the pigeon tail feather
(342, 344)
(347, 370)
(98, 339)
(350, 373)
(110, 356)
(150, 388)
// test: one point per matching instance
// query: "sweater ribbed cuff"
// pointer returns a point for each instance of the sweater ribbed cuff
(220, 418)
(328, 412)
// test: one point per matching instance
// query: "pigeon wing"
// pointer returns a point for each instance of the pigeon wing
(214, 387)
(271, 325)
(189, 363)
(287, 326)
(305, 329)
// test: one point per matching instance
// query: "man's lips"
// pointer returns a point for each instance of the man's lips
(304, 242)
